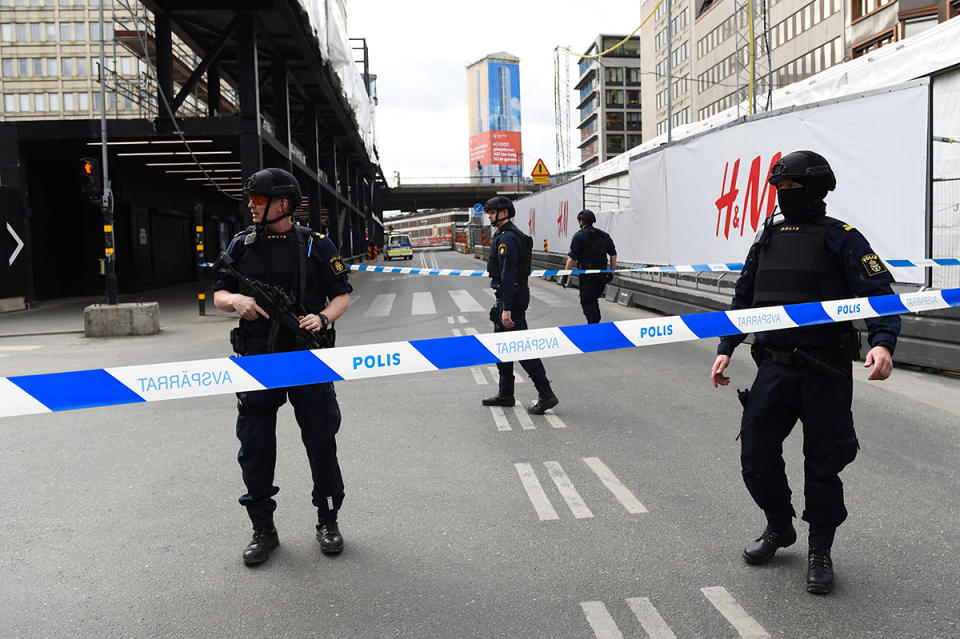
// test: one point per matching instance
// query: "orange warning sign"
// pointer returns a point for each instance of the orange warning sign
(540, 173)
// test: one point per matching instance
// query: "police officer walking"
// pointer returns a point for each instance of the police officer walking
(589, 249)
(509, 267)
(280, 252)
(805, 373)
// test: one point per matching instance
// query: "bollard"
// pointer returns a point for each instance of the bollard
(202, 302)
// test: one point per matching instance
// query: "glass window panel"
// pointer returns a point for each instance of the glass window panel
(65, 31)
(38, 102)
(53, 99)
(24, 102)
(50, 28)
(51, 66)
(80, 29)
(83, 100)
(807, 17)
(8, 71)
(37, 66)
(21, 32)
(23, 67)
(9, 103)
(66, 65)
(816, 12)
(35, 32)
(81, 66)
(6, 32)
(94, 30)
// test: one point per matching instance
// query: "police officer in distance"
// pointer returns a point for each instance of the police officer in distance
(278, 251)
(511, 253)
(589, 248)
(805, 373)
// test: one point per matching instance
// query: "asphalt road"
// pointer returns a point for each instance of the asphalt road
(620, 513)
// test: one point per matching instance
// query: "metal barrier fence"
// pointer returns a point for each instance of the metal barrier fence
(946, 229)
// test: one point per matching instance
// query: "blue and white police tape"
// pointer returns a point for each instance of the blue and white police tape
(728, 267)
(31, 394)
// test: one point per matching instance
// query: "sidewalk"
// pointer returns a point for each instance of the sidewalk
(178, 304)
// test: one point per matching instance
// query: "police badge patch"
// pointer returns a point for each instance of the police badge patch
(337, 265)
(873, 265)
(503, 249)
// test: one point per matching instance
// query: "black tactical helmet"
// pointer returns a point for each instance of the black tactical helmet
(500, 203)
(587, 216)
(276, 183)
(805, 167)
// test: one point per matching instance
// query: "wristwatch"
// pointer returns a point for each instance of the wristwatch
(324, 320)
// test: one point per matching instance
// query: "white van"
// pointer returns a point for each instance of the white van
(398, 246)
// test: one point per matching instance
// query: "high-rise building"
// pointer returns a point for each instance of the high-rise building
(710, 60)
(493, 100)
(609, 99)
(50, 62)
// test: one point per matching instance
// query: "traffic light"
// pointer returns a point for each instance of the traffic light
(90, 181)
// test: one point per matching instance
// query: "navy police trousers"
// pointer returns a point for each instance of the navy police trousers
(534, 367)
(591, 288)
(318, 414)
(782, 394)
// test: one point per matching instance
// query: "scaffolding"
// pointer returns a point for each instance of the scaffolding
(754, 70)
(561, 109)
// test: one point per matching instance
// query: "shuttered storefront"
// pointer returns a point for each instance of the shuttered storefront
(171, 254)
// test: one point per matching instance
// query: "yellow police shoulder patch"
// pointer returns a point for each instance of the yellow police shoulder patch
(847, 227)
(320, 235)
(788, 228)
(337, 265)
(873, 264)
(502, 250)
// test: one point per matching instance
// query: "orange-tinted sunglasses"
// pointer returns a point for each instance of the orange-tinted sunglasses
(258, 200)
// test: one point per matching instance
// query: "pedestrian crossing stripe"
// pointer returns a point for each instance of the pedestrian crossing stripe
(723, 267)
(30, 394)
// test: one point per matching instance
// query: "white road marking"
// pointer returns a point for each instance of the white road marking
(21, 347)
(461, 319)
(555, 421)
(450, 320)
(521, 412)
(745, 625)
(538, 498)
(650, 619)
(621, 492)
(456, 332)
(469, 330)
(500, 418)
(567, 491)
(478, 376)
(465, 301)
(550, 299)
(381, 305)
(489, 291)
(603, 625)
(423, 304)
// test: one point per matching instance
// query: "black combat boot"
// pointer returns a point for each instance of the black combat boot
(264, 541)
(499, 400)
(546, 401)
(819, 572)
(328, 534)
(763, 549)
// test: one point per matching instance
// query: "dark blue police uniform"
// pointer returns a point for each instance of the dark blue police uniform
(509, 269)
(309, 265)
(590, 247)
(805, 373)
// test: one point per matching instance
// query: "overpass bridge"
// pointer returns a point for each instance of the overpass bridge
(410, 197)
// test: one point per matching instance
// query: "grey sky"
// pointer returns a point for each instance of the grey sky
(420, 49)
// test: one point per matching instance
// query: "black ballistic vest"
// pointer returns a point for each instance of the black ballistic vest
(280, 259)
(593, 253)
(524, 260)
(795, 266)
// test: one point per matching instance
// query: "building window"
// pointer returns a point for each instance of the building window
(8, 68)
(23, 67)
(53, 100)
(21, 32)
(50, 28)
(614, 75)
(66, 66)
(38, 66)
(35, 33)
(9, 103)
(873, 43)
(861, 8)
(634, 76)
(633, 121)
(68, 103)
(80, 30)
(634, 140)
(81, 66)
(6, 32)
(633, 98)
(51, 66)
(65, 31)
(614, 121)
(615, 144)
(38, 102)
(913, 24)
(83, 101)
(614, 97)
(24, 102)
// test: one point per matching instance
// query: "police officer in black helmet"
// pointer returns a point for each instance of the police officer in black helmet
(805, 373)
(509, 267)
(589, 249)
(278, 251)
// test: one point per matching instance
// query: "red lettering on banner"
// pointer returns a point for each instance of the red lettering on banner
(562, 217)
(532, 224)
(755, 202)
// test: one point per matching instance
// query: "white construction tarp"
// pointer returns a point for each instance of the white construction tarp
(704, 199)
(551, 215)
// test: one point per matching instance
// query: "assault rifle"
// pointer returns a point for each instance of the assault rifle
(284, 310)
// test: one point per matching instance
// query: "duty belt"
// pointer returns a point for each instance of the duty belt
(823, 359)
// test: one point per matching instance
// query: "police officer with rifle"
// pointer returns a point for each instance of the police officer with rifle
(589, 249)
(289, 285)
(805, 373)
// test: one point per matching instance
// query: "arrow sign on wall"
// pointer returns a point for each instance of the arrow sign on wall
(16, 251)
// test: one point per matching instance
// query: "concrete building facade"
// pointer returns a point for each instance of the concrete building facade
(609, 99)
